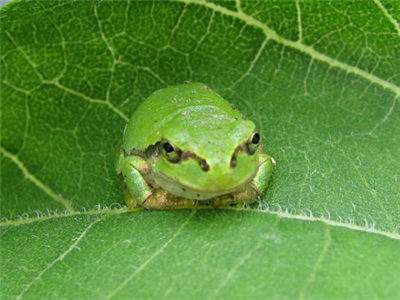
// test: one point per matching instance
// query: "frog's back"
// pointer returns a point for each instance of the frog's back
(186, 106)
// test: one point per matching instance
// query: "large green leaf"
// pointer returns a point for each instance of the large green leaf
(321, 80)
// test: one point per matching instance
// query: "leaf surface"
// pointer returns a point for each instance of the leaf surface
(320, 79)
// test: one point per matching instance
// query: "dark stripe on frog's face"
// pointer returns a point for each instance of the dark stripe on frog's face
(156, 151)
(183, 156)
(208, 177)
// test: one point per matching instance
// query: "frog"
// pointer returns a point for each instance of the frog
(186, 147)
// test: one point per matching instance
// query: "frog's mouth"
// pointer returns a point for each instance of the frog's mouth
(208, 190)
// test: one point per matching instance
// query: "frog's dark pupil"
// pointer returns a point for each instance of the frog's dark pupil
(168, 147)
(256, 138)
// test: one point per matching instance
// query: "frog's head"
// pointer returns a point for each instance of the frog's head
(202, 162)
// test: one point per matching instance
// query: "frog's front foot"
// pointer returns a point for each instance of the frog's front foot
(161, 199)
(246, 196)
(253, 190)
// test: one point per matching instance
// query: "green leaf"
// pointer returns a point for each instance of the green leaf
(320, 79)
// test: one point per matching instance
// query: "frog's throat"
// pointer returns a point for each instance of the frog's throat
(188, 192)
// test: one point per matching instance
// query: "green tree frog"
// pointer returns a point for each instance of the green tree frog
(185, 146)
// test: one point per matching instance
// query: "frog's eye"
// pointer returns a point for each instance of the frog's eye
(253, 143)
(171, 152)
(168, 147)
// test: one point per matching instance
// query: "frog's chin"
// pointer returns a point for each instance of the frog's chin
(190, 192)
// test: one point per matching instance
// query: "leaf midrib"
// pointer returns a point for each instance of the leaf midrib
(281, 214)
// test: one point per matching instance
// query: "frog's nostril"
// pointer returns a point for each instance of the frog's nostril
(233, 161)
(204, 165)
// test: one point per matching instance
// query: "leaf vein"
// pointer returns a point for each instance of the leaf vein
(361, 176)
(386, 116)
(245, 258)
(333, 223)
(299, 21)
(61, 257)
(283, 214)
(251, 66)
(112, 107)
(317, 263)
(298, 45)
(35, 180)
(152, 257)
(388, 15)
